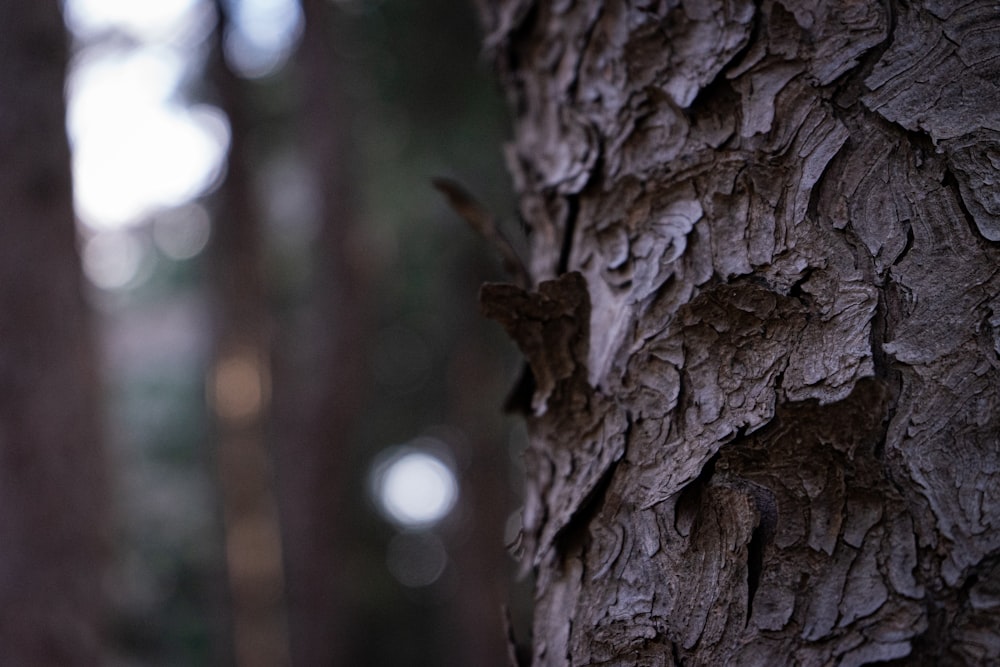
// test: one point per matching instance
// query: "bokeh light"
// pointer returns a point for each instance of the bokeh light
(239, 386)
(135, 149)
(113, 259)
(416, 559)
(143, 21)
(183, 232)
(264, 36)
(413, 487)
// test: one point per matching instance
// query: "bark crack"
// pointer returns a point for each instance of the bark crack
(812, 205)
(950, 181)
(852, 79)
(676, 654)
(755, 565)
(907, 246)
(576, 526)
(701, 99)
(572, 212)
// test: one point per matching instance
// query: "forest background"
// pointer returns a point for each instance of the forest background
(300, 404)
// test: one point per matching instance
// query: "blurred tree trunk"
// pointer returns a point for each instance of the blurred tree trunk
(764, 336)
(52, 475)
(240, 390)
(322, 384)
(477, 554)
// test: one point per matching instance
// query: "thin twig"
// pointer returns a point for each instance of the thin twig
(484, 223)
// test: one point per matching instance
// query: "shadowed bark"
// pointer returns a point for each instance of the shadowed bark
(764, 329)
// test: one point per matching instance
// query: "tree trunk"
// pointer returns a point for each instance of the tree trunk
(52, 476)
(324, 385)
(240, 389)
(764, 332)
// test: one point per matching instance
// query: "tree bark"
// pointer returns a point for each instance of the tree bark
(764, 331)
(53, 494)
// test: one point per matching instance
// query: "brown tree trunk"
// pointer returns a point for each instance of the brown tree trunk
(240, 391)
(477, 557)
(764, 332)
(52, 476)
(322, 389)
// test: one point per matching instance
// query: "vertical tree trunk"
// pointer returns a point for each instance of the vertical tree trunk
(52, 476)
(477, 556)
(240, 392)
(324, 366)
(764, 335)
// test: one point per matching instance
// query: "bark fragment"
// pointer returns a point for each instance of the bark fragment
(577, 434)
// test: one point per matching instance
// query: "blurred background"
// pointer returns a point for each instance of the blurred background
(301, 403)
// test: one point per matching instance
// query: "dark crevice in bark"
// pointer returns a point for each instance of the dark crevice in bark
(948, 38)
(862, 257)
(569, 230)
(749, 280)
(756, 28)
(739, 434)
(681, 391)
(796, 292)
(850, 85)
(812, 207)
(518, 401)
(755, 565)
(926, 647)
(525, 25)
(518, 653)
(575, 531)
(710, 98)
(882, 324)
(907, 246)
(878, 333)
(510, 62)
(950, 181)
(988, 567)
(970, 581)
(779, 380)
(675, 653)
(703, 99)
(921, 142)
(707, 98)
(627, 434)
(767, 517)
(568, 656)
(690, 499)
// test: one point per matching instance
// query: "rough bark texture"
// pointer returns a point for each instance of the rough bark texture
(764, 332)
(52, 477)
